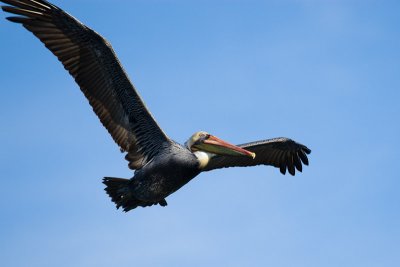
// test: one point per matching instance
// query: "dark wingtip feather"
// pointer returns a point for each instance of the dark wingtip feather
(303, 157)
(291, 170)
(282, 169)
(297, 163)
(4, 8)
(290, 165)
(11, 9)
(17, 19)
(30, 13)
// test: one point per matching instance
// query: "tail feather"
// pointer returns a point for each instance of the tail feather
(120, 192)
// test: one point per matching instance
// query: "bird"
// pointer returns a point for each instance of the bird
(160, 165)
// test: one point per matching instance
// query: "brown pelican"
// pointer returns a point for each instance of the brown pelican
(161, 165)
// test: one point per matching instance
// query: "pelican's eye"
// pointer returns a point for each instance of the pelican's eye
(204, 136)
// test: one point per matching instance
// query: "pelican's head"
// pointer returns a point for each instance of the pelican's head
(203, 141)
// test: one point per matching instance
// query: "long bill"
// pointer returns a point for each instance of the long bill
(217, 146)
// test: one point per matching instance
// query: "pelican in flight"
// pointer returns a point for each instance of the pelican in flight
(161, 165)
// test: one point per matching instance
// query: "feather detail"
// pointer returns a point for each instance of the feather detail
(90, 59)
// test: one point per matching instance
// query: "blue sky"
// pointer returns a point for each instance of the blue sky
(325, 73)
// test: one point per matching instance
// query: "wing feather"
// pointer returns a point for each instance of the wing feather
(90, 59)
(282, 153)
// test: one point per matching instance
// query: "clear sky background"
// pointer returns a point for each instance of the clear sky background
(324, 73)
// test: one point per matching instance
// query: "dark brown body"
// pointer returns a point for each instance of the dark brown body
(167, 172)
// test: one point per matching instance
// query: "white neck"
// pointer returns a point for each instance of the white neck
(203, 158)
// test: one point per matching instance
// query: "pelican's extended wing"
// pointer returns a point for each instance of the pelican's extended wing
(90, 59)
(282, 153)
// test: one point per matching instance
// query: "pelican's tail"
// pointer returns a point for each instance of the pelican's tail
(120, 191)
